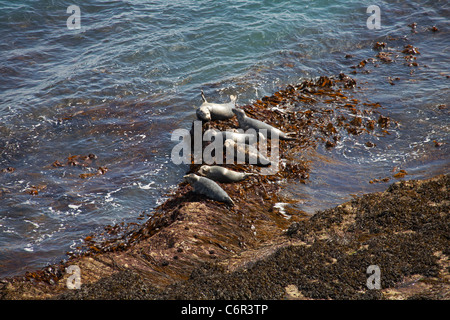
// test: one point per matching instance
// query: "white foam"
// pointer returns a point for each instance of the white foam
(280, 206)
(33, 223)
(146, 186)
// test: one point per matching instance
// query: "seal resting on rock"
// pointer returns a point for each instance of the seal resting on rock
(207, 187)
(238, 137)
(246, 153)
(216, 111)
(266, 129)
(222, 174)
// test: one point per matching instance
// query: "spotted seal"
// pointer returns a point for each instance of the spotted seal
(246, 153)
(207, 187)
(216, 111)
(250, 123)
(222, 174)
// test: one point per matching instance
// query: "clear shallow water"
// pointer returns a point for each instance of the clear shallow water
(132, 74)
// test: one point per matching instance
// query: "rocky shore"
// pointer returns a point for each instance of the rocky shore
(405, 231)
(195, 248)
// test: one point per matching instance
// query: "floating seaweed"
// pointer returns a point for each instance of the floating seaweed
(386, 179)
(379, 45)
(34, 190)
(413, 27)
(76, 161)
(401, 174)
(409, 49)
(8, 170)
(434, 29)
(100, 171)
(385, 56)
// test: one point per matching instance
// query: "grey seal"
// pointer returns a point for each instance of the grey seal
(216, 111)
(247, 153)
(222, 174)
(247, 137)
(207, 187)
(250, 123)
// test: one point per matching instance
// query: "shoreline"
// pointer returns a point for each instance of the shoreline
(191, 247)
(403, 230)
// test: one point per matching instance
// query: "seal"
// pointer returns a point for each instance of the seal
(266, 129)
(209, 188)
(246, 153)
(222, 174)
(216, 111)
(237, 136)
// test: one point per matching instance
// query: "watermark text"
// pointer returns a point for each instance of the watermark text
(374, 21)
(74, 21)
(74, 280)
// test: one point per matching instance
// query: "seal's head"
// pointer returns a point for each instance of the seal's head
(204, 170)
(191, 178)
(240, 114)
(203, 113)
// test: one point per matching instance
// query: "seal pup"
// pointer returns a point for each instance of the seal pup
(247, 153)
(238, 137)
(248, 123)
(207, 187)
(222, 174)
(216, 111)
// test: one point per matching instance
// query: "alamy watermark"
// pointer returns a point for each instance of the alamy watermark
(74, 21)
(374, 21)
(74, 280)
(374, 280)
(191, 148)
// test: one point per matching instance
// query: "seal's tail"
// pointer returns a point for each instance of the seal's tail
(203, 97)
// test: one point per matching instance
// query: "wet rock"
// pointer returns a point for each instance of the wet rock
(404, 230)
(124, 285)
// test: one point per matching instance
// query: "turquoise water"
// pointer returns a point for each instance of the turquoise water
(118, 86)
